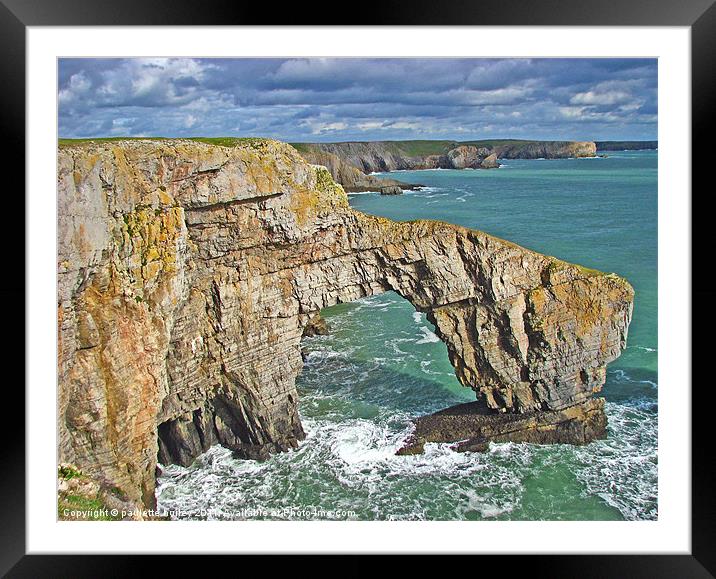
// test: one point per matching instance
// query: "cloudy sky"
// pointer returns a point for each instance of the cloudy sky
(359, 99)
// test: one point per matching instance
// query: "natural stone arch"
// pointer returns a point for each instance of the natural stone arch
(527, 332)
(188, 272)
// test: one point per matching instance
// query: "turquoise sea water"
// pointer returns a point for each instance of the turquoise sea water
(382, 364)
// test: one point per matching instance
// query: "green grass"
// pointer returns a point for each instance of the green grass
(424, 147)
(301, 147)
(95, 509)
(92, 508)
(67, 473)
(588, 271)
(406, 148)
(71, 142)
(218, 141)
(421, 148)
(228, 141)
(490, 143)
(411, 148)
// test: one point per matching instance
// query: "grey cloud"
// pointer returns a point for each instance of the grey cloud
(339, 99)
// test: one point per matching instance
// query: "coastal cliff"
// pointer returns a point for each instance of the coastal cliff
(351, 163)
(187, 273)
(627, 145)
(350, 177)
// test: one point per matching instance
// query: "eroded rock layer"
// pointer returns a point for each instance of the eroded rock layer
(187, 273)
(349, 176)
(472, 427)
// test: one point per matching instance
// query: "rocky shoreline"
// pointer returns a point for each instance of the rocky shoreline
(352, 163)
(188, 272)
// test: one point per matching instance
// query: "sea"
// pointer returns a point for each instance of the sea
(382, 364)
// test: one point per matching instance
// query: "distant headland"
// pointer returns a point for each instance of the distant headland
(351, 163)
(627, 145)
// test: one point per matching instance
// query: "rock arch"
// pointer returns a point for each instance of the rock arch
(188, 272)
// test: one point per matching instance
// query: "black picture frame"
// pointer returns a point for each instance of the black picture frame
(17, 15)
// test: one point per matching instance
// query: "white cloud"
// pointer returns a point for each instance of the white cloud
(78, 85)
(403, 125)
(370, 125)
(600, 98)
(318, 128)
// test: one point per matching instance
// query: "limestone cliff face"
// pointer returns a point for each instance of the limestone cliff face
(187, 273)
(351, 178)
(368, 157)
(466, 157)
(546, 150)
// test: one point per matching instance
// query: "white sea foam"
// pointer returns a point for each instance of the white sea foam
(352, 463)
(321, 354)
(358, 453)
(428, 336)
(623, 376)
(373, 302)
(622, 469)
(643, 348)
(348, 458)
(477, 504)
(425, 368)
(428, 189)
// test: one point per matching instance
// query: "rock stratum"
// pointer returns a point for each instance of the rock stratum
(187, 273)
(349, 176)
(351, 163)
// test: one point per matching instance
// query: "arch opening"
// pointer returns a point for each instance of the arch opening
(375, 355)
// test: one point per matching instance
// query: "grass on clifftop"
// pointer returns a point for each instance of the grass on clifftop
(413, 148)
(423, 148)
(228, 141)
(218, 141)
(81, 502)
(406, 148)
(79, 508)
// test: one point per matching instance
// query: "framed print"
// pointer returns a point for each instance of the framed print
(419, 284)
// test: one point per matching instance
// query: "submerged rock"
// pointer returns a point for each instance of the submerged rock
(187, 273)
(316, 326)
(391, 190)
(473, 427)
